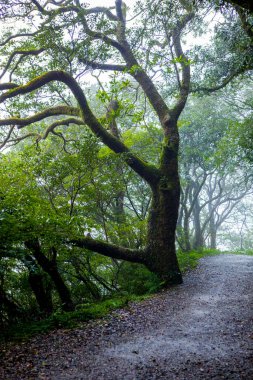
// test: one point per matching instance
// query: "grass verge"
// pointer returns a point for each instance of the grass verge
(190, 260)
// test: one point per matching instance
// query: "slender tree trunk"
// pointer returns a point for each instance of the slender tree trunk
(186, 234)
(212, 230)
(213, 238)
(50, 267)
(198, 236)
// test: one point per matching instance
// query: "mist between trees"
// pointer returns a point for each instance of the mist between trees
(107, 185)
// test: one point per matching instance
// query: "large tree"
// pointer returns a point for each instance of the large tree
(60, 41)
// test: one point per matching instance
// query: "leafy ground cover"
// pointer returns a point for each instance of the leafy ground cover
(90, 311)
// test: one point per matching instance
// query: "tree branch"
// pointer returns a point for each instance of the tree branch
(110, 250)
(184, 63)
(96, 35)
(75, 8)
(17, 36)
(7, 137)
(19, 52)
(103, 66)
(226, 81)
(7, 86)
(58, 123)
(54, 111)
(104, 10)
(147, 171)
(37, 4)
(15, 141)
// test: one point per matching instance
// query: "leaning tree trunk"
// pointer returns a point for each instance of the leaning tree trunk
(50, 267)
(39, 285)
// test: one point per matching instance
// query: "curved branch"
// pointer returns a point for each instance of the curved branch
(123, 47)
(104, 10)
(76, 8)
(54, 111)
(82, 12)
(19, 52)
(147, 171)
(96, 35)
(15, 141)
(110, 250)
(58, 123)
(17, 36)
(226, 81)
(185, 66)
(7, 137)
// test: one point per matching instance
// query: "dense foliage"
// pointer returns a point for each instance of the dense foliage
(94, 103)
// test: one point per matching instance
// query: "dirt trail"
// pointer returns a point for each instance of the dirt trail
(199, 330)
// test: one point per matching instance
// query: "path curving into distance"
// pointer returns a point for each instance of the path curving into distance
(199, 330)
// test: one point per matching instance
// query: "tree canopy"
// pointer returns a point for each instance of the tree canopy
(94, 103)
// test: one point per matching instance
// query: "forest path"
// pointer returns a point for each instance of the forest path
(199, 330)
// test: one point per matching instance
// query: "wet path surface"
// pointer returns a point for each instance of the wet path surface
(199, 330)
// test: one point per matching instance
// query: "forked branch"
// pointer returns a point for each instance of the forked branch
(148, 172)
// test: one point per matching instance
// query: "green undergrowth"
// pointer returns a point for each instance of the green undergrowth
(141, 284)
(190, 260)
(247, 252)
(67, 320)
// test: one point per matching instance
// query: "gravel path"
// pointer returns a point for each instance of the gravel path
(199, 330)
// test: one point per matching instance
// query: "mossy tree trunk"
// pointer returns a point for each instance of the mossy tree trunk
(163, 215)
(161, 251)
